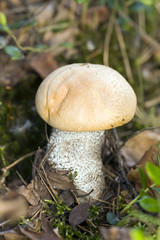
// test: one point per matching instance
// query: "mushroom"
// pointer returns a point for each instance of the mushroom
(80, 101)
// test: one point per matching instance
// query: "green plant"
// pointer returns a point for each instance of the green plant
(61, 208)
(151, 204)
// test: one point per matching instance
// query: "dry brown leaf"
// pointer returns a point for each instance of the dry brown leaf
(136, 147)
(12, 235)
(67, 198)
(48, 233)
(30, 194)
(43, 64)
(32, 210)
(115, 233)
(97, 15)
(13, 208)
(34, 191)
(79, 214)
(149, 156)
(45, 12)
(68, 35)
(59, 181)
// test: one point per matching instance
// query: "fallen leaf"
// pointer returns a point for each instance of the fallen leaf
(59, 181)
(67, 198)
(12, 235)
(45, 12)
(48, 233)
(149, 156)
(58, 39)
(34, 191)
(43, 64)
(13, 208)
(30, 194)
(97, 15)
(114, 233)
(79, 214)
(136, 147)
(32, 210)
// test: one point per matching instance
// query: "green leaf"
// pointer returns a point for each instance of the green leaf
(137, 234)
(143, 177)
(158, 233)
(153, 172)
(3, 19)
(158, 158)
(14, 52)
(112, 218)
(68, 45)
(150, 204)
(147, 2)
(82, 1)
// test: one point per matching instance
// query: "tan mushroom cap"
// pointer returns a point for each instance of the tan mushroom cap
(85, 97)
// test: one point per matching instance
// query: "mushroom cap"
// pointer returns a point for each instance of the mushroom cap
(85, 97)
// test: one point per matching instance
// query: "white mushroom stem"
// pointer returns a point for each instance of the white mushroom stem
(80, 152)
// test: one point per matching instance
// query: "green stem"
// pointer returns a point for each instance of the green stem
(28, 48)
(136, 199)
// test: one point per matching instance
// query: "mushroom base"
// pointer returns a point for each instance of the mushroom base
(79, 152)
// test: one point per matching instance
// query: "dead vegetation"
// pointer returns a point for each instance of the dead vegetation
(49, 34)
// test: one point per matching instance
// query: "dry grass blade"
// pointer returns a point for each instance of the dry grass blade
(108, 36)
(148, 39)
(124, 52)
(151, 103)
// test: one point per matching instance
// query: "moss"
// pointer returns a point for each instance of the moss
(18, 138)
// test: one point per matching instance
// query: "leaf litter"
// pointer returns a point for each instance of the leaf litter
(47, 183)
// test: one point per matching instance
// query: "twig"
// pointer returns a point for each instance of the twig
(5, 222)
(46, 134)
(124, 52)
(44, 172)
(50, 192)
(49, 184)
(18, 161)
(75, 196)
(23, 181)
(46, 156)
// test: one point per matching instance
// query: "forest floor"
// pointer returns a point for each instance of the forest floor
(36, 201)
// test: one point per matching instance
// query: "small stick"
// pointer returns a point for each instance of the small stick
(18, 161)
(46, 134)
(121, 163)
(50, 192)
(23, 181)
(46, 156)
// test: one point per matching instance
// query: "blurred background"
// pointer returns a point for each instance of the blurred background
(38, 36)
